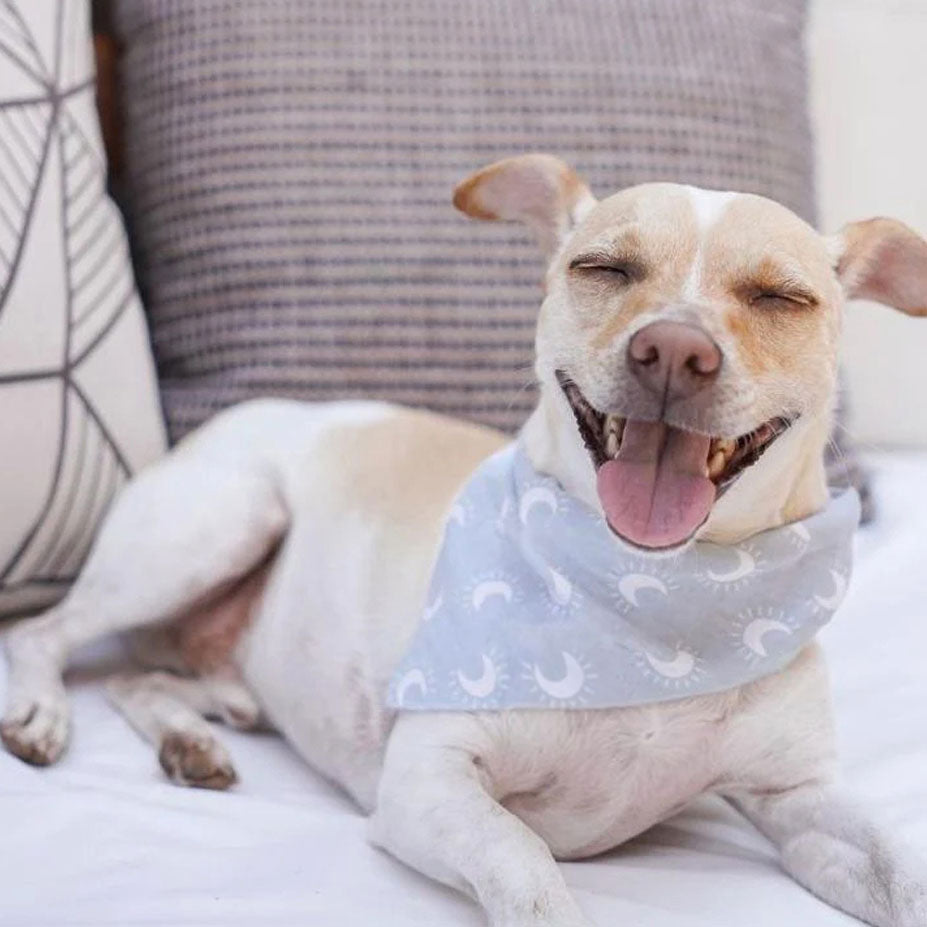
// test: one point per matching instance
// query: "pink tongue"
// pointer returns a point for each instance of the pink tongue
(655, 492)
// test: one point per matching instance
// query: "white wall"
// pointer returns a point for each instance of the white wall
(869, 99)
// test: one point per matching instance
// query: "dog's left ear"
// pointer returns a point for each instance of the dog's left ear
(538, 189)
(885, 261)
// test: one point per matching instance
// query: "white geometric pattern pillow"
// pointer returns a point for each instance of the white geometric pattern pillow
(79, 409)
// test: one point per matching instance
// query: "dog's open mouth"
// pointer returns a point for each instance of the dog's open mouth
(657, 484)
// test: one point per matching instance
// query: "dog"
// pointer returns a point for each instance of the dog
(275, 566)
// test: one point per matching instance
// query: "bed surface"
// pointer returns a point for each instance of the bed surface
(103, 839)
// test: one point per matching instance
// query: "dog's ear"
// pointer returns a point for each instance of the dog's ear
(537, 189)
(885, 261)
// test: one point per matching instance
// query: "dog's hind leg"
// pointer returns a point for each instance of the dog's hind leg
(833, 848)
(184, 529)
(169, 711)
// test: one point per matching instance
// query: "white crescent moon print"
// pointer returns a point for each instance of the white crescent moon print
(560, 587)
(745, 566)
(537, 495)
(677, 668)
(489, 588)
(568, 686)
(484, 685)
(831, 602)
(632, 583)
(755, 631)
(414, 678)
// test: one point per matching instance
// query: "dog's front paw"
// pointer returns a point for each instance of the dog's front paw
(36, 729)
(195, 760)
(543, 911)
(547, 919)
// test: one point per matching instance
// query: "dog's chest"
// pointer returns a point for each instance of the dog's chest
(587, 781)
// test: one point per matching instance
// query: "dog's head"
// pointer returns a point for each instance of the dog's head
(688, 338)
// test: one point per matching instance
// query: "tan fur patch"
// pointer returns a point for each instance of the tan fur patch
(761, 247)
(465, 198)
(652, 225)
(435, 454)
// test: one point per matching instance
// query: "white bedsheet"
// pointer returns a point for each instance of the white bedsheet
(103, 839)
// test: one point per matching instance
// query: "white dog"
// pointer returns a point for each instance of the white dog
(280, 558)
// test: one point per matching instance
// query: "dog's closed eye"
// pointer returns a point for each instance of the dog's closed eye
(775, 289)
(782, 299)
(622, 270)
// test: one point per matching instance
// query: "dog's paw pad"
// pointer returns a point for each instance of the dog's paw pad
(194, 760)
(36, 732)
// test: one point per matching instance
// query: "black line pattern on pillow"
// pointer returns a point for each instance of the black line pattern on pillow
(42, 143)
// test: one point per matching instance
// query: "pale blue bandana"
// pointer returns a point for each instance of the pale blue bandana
(535, 604)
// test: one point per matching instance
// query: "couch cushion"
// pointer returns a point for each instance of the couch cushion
(78, 402)
(290, 165)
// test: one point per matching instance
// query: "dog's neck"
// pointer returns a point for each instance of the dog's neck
(789, 483)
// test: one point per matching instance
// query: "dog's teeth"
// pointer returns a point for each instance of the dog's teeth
(613, 429)
(721, 445)
(612, 443)
(716, 465)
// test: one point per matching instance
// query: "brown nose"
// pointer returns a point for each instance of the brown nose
(674, 359)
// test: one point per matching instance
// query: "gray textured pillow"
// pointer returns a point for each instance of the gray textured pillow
(290, 165)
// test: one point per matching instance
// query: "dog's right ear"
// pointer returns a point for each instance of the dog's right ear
(537, 189)
(883, 260)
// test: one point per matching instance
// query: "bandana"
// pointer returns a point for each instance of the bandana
(534, 603)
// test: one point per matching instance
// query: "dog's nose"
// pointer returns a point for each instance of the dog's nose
(674, 359)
